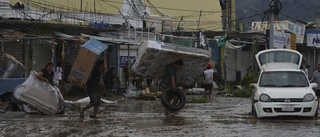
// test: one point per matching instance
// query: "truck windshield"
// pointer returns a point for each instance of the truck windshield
(283, 79)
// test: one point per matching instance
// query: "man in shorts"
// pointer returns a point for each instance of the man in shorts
(316, 78)
(93, 88)
(208, 79)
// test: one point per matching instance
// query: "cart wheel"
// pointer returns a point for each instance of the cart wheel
(173, 101)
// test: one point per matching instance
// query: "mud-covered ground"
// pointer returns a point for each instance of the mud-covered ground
(222, 116)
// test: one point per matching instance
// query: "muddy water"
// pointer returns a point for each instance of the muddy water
(222, 116)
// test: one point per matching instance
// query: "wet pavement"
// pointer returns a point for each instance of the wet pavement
(222, 116)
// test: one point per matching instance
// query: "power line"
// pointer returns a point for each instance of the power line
(305, 6)
(45, 5)
(159, 7)
(48, 5)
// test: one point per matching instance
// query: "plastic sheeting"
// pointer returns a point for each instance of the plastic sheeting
(231, 46)
(155, 56)
(132, 91)
(87, 100)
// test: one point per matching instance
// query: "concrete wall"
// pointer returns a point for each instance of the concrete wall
(237, 61)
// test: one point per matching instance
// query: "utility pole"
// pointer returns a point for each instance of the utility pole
(81, 6)
(199, 20)
(228, 15)
(271, 35)
(275, 7)
(94, 6)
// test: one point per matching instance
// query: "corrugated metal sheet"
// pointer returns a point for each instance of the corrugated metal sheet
(41, 54)
(15, 49)
(69, 60)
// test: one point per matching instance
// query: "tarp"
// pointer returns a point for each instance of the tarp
(87, 100)
(220, 40)
(231, 46)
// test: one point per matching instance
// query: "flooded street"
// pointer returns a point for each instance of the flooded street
(222, 116)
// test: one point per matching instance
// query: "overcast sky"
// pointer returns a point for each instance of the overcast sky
(252, 10)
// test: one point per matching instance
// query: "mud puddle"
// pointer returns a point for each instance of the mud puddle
(222, 116)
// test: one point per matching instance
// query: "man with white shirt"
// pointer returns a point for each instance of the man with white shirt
(208, 79)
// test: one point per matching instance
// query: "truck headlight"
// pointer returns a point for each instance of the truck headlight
(265, 98)
(307, 98)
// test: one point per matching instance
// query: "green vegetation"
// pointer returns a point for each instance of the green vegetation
(239, 92)
(197, 100)
(76, 107)
(245, 91)
(250, 77)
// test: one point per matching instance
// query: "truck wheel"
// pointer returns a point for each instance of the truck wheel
(173, 101)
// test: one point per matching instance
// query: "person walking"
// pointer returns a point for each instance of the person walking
(170, 76)
(58, 74)
(46, 74)
(170, 80)
(93, 88)
(306, 71)
(126, 72)
(208, 78)
(316, 78)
